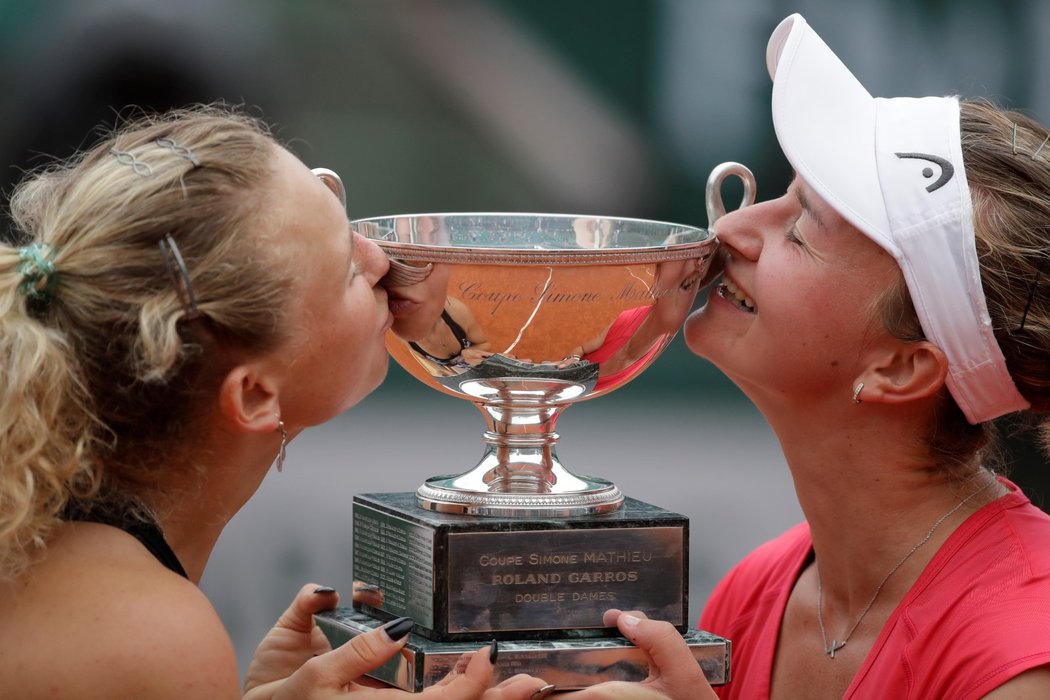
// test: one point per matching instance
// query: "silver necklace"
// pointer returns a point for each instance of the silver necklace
(835, 644)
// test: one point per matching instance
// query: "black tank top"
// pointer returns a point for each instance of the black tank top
(457, 331)
(146, 532)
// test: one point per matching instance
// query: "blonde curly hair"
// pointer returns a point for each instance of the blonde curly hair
(103, 373)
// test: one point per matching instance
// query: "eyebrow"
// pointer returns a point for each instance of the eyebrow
(807, 206)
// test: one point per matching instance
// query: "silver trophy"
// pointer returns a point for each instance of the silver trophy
(524, 315)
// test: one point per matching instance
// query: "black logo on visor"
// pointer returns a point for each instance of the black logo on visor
(947, 169)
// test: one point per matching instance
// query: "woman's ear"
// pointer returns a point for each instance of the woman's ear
(248, 400)
(910, 372)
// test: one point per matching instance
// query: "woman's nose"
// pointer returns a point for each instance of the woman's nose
(740, 231)
(371, 259)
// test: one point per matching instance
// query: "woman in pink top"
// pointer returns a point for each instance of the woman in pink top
(882, 314)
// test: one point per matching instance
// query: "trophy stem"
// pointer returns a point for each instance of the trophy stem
(520, 474)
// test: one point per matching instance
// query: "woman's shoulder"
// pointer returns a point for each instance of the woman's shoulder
(1029, 527)
(100, 615)
(980, 612)
(1009, 538)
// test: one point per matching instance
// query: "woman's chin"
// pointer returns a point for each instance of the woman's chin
(693, 331)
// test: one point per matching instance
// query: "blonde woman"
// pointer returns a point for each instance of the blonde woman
(182, 300)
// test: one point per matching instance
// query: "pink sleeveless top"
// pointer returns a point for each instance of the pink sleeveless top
(977, 616)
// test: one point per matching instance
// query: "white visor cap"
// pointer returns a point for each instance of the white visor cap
(894, 169)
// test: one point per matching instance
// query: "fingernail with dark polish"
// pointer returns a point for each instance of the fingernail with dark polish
(543, 692)
(494, 652)
(366, 588)
(396, 629)
(323, 589)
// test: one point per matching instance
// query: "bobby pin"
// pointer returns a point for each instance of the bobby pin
(1013, 143)
(137, 165)
(180, 276)
(1040, 147)
(179, 150)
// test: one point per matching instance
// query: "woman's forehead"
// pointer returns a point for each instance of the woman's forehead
(822, 213)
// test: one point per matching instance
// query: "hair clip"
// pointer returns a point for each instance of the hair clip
(1013, 143)
(180, 276)
(1040, 147)
(137, 165)
(179, 150)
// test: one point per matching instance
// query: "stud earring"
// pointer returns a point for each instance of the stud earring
(856, 392)
(281, 453)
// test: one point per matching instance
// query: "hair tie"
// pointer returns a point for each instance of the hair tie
(37, 270)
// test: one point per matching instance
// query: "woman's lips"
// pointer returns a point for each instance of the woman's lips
(400, 306)
(735, 296)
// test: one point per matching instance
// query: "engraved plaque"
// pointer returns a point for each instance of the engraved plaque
(556, 579)
(461, 577)
(397, 556)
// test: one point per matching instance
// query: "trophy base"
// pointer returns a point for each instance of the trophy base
(568, 663)
(469, 579)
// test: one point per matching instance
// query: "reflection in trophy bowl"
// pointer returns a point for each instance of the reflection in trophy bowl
(525, 314)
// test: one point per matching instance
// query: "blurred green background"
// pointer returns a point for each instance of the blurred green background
(610, 107)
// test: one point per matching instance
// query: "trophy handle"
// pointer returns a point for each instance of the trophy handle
(332, 181)
(715, 207)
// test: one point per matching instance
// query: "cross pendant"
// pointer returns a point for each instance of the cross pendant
(835, 646)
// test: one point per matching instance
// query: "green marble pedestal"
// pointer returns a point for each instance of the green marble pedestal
(540, 586)
(567, 663)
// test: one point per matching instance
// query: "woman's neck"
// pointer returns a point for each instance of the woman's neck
(198, 499)
(870, 492)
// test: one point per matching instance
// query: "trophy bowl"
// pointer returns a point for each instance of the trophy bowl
(526, 314)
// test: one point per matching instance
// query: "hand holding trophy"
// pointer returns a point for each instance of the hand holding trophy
(524, 315)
